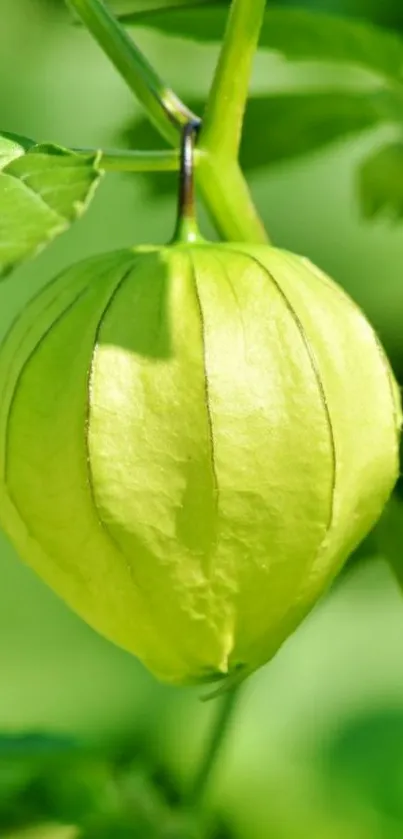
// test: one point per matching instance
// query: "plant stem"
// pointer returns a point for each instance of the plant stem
(120, 160)
(228, 199)
(221, 180)
(219, 175)
(218, 734)
(223, 118)
(165, 110)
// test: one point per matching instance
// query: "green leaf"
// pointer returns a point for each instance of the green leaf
(200, 21)
(42, 192)
(289, 125)
(301, 35)
(381, 182)
(298, 34)
(12, 146)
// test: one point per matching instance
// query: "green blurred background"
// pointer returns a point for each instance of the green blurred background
(316, 746)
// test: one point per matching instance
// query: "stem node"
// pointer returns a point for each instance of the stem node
(186, 226)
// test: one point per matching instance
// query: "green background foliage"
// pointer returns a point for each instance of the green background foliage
(92, 746)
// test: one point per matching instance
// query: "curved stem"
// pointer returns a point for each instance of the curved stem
(226, 195)
(218, 734)
(166, 111)
(120, 160)
(223, 118)
(186, 225)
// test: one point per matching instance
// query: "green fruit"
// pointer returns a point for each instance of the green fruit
(193, 440)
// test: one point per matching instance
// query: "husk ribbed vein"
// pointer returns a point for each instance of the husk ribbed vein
(15, 389)
(206, 382)
(14, 325)
(90, 477)
(27, 358)
(106, 529)
(229, 635)
(316, 372)
(21, 371)
(322, 279)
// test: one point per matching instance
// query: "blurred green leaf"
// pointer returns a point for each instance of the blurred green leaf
(34, 746)
(45, 831)
(298, 34)
(365, 754)
(42, 192)
(51, 783)
(74, 792)
(51, 778)
(21, 757)
(381, 182)
(289, 125)
(301, 35)
(200, 21)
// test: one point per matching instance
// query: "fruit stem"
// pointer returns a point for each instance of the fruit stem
(218, 734)
(186, 226)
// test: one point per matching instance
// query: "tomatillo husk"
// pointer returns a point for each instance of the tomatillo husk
(194, 438)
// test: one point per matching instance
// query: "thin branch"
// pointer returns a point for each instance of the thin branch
(164, 108)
